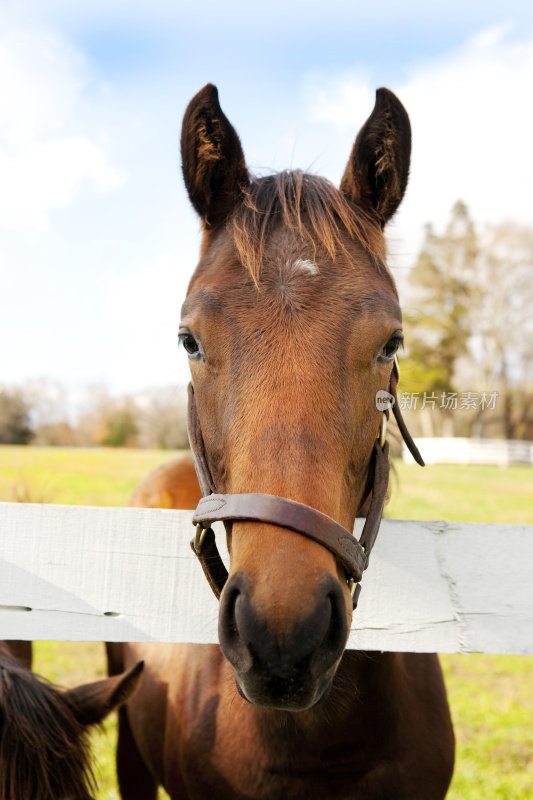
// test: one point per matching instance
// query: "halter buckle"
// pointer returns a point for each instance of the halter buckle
(199, 537)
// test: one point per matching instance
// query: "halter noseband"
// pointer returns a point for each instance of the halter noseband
(352, 554)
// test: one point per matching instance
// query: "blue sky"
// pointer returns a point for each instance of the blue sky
(97, 240)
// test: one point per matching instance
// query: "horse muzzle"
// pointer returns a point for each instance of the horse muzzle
(290, 670)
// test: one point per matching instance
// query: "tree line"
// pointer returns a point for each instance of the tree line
(43, 412)
(466, 368)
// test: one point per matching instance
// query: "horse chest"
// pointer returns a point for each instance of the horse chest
(242, 778)
(236, 752)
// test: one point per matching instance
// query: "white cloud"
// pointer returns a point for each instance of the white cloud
(45, 175)
(143, 309)
(473, 124)
(472, 121)
(44, 157)
(342, 100)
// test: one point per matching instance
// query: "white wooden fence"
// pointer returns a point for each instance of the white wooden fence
(461, 450)
(128, 574)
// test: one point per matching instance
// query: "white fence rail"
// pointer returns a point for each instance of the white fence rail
(459, 450)
(128, 574)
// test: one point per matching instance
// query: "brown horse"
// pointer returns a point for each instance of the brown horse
(291, 324)
(44, 752)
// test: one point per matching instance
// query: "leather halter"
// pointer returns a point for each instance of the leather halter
(352, 554)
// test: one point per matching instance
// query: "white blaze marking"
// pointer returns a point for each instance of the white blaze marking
(304, 265)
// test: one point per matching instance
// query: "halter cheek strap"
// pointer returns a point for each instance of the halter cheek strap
(353, 555)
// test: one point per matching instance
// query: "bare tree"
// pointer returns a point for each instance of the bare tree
(502, 321)
(163, 418)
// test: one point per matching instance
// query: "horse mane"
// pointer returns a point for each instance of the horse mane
(44, 753)
(309, 205)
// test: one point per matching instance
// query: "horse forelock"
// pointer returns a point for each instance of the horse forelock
(44, 753)
(310, 206)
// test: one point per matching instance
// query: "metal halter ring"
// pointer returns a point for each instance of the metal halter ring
(382, 434)
(397, 365)
(355, 590)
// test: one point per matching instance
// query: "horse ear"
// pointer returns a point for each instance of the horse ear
(377, 172)
(92, 702)
(213, 163)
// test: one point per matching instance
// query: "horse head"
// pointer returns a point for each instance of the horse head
(291, 324)
(44, 750)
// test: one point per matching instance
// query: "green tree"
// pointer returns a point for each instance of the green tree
(120, 428)
(443, 290)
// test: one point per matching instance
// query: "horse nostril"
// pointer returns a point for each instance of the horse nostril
(227, 619)
(231, 642)
(334, 641)
(338, 628)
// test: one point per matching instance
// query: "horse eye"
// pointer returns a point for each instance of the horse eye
(190, 344)
(391, 348)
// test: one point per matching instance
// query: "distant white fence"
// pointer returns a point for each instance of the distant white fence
(128, 574)
(459, 450)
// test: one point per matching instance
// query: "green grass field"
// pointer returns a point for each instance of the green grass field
(491, 696)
